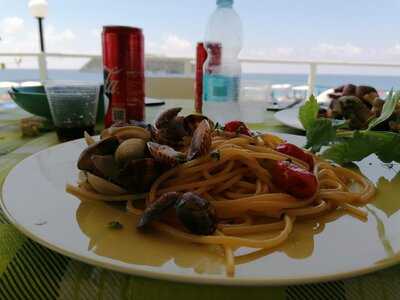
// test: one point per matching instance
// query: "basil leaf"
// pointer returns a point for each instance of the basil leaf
(308, 112)
(387, 110)
(319, 134)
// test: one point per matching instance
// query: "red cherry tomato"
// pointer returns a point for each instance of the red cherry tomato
(293, 150)
(294, 180)
(237, 127)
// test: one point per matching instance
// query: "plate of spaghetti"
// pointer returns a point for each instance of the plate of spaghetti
(188, 200)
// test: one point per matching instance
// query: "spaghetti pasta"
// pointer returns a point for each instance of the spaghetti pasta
(238, 178)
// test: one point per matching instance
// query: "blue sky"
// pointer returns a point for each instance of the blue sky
(310, 29)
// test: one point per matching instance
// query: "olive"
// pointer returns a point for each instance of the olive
(196, 214)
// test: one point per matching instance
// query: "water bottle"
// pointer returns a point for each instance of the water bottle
(222, 69)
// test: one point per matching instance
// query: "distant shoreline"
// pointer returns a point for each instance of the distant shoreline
(323, 81)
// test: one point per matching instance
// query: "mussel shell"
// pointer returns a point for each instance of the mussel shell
(103, 147)
(196, 214)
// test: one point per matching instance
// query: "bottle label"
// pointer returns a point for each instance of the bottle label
(220, 88)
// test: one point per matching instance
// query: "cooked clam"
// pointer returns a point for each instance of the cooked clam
(130, 149)
(167, 116)
(165, 154)
(103, 147)
(196, 214)
(201, 141)
(129, 132)
(191, 122)
(103, 186)
(138, 175)
(156, 209)
(105, 166)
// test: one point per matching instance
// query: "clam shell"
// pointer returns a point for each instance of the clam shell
(201, 141)
(129, 132)
(103, 147)
(167, 116)
(130, 149)
(164, 154)
(103, 186)
(191, 122)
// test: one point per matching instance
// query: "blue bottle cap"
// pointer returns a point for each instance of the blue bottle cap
(224, 3)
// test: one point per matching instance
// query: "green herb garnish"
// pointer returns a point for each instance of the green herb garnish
(115, 225)
(215, 155)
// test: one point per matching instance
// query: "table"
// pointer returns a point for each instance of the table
(30, 271)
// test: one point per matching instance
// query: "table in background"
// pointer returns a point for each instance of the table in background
(30, 271)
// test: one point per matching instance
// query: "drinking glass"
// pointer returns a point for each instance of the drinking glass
(73, 106)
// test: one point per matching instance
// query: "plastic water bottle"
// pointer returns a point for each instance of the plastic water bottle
(222, 69)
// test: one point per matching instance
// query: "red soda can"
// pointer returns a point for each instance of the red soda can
(201, 56)
(123, 62)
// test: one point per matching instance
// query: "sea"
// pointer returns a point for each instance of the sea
(323, 81)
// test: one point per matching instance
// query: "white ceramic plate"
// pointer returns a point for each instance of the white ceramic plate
(34, 199)
(290, 118)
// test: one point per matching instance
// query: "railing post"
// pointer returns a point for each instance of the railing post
(311, 79)
(42, 66)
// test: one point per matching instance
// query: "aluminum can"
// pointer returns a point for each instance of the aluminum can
(124, 81)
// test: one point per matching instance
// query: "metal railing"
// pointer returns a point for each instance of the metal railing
(187, 61)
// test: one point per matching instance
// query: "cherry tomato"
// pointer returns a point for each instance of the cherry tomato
(294, 180)
(293, 150)
(237, 127)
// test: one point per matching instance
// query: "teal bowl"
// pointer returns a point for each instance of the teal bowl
(34, 100)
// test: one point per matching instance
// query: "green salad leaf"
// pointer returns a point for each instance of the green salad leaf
(388, 108)
(351, 149)
(386, 145)
(319, 134)
(344, 146)
(308, 112)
